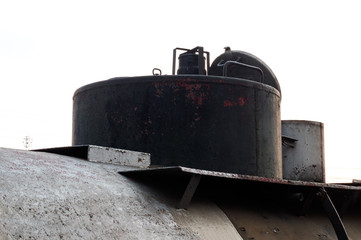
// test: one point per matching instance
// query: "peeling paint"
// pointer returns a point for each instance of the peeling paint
(240, 102)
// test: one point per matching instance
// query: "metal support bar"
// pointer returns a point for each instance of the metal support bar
(332, 214)
(200, 60)
(288, 141)
(227, 63)
(201, 53)
(189, 192)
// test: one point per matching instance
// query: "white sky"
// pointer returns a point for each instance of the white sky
(48, 49)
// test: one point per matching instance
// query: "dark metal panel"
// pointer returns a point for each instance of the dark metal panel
(268, 133)
(194, 121)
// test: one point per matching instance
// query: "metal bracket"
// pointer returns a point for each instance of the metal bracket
(201, 53)
(227, 63)
(189, 192)
(288, 141)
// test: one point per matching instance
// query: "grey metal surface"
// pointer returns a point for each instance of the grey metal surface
(304, 161)
(101, 154)
(51, 196)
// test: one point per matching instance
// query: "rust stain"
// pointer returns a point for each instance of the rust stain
(240, 102)
(147, 124)
(196, 92)
(158, 89)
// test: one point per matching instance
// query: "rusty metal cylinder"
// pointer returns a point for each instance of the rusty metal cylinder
(205, 122)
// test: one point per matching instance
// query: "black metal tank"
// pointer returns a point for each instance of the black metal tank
(207, 122)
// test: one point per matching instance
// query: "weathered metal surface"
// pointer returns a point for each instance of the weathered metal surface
(207, 219)
(268, 208)
(50, 196)
(306, 160)
(191, 62)
(257, 70)
(241, 177)
(213, 123)
(100, 154)
(271, 221)
(189, 192)
(64, 197)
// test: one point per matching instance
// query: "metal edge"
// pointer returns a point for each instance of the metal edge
(170, 78)
(180, 169)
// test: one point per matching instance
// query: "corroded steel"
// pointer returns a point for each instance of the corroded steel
(241, 177)
(249, 67)
(305, 160)
(207, 122)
